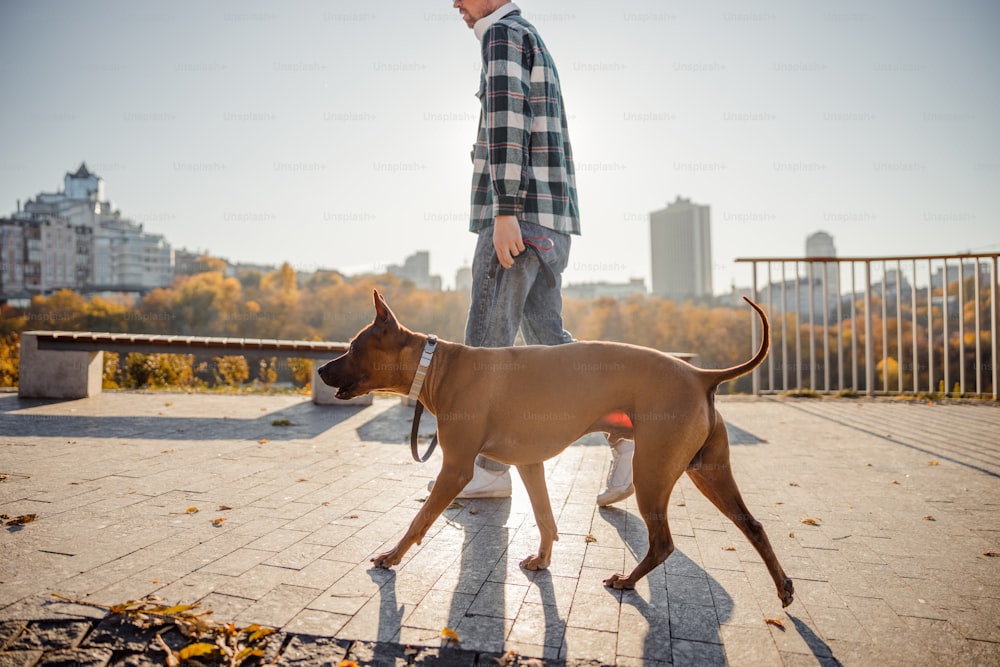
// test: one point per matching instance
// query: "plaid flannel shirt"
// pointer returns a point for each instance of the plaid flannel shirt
(522, 161)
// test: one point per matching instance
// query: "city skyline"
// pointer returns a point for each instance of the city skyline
(334, 138)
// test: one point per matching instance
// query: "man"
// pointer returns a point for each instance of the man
(524, 209)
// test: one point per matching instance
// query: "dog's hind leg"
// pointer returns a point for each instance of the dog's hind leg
(533, 476)
(652, 495)
(712, 474)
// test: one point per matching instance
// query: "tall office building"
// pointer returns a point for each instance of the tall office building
(681, 247)
(820, 244)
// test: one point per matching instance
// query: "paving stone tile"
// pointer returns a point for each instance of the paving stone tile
(836, 623)
(77, 657)
(278, 540)
(298, 556)
(9, 630)
(439, 609)
(694, 622)
(645, 629)
(314, 652)
(586, 644)
(538, 624)
(484, 633)
(279, 606)
(19, 658)
(49, 635)
(499, 599)
(316, 623)
(749, 645)
(548, 589)
(689, 590)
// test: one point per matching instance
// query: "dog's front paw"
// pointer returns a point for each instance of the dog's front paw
(619, 582)
(535, 562)
(387, 560)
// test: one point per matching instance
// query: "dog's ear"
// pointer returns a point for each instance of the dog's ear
(383, 315)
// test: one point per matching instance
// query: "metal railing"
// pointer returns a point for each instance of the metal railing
(886, 325)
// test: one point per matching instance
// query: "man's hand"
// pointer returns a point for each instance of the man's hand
(507, 239)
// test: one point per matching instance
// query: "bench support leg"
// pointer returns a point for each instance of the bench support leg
(323, 394)
(58, 373)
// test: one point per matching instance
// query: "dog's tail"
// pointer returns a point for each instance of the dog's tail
(718, 376)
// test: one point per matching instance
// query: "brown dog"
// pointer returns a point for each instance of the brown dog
(523, 405)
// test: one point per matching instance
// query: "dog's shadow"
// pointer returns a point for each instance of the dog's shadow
(686, 606)
(683, 608)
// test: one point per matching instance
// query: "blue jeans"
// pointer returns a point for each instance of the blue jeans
(525, 299)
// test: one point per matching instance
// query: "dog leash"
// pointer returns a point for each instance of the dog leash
(418, 409)
(538, 245)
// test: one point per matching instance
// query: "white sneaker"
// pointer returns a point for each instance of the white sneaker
(484, 484)
(620, 476)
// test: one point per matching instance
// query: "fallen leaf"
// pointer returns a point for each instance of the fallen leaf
(281, 422)
(810, 522)
(348, 663)
(776, 622)
(156, 581)
(325, 503)
(260, 634)
(302, 479)
(929, 517)
(455, 505)
(262, 441)
(352, 516)
(895, 481)
(791, 533)
(932, 463)
(473, 510)
(681, 504)
(793, 484)
(223, 508)
(169, 403)
(729, 548)
(196, 649)
(191, 510)
(168, 451)
(450, 635)
(218, 522)
(247, 652)
(589, 538)
(20, 520)
(991, 554)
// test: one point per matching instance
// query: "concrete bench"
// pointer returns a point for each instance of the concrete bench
(70, 364)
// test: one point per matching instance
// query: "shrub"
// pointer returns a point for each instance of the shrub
(233, 370)
(158, 370)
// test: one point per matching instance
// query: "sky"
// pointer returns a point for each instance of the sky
(336, 134)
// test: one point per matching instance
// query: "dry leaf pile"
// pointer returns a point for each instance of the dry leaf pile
(216, 643)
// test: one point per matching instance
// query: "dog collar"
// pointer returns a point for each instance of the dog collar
(425, 363)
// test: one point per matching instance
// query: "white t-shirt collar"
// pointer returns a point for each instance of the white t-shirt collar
(483, 24)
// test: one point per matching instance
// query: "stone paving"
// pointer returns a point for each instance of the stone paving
(896, 571)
